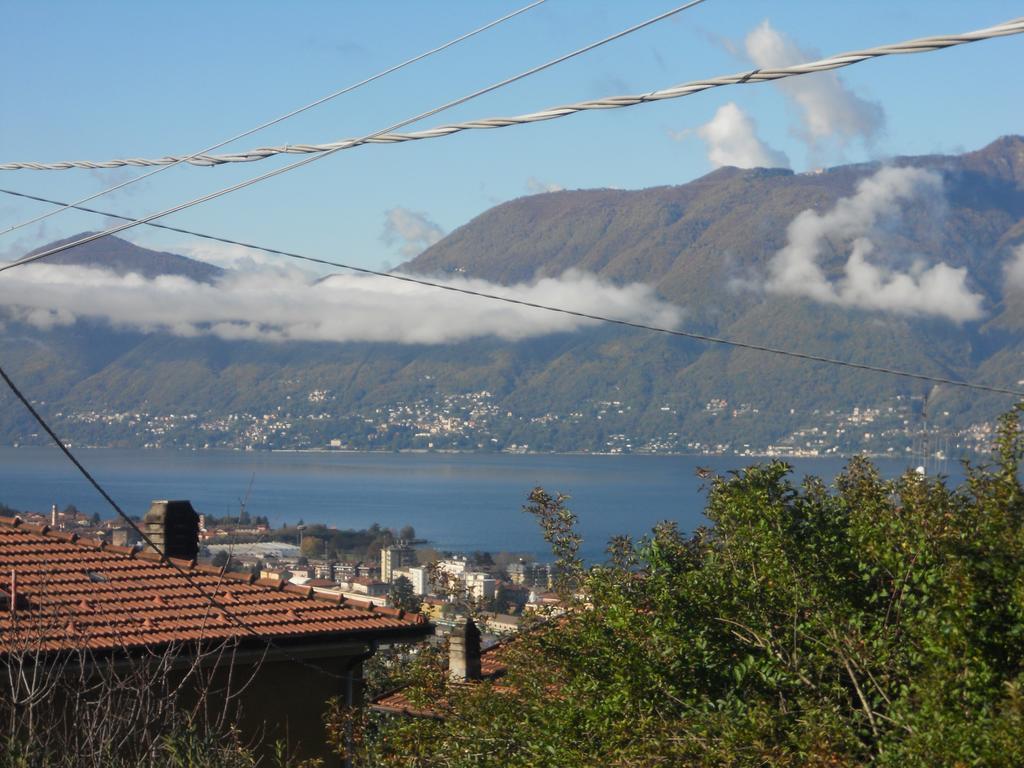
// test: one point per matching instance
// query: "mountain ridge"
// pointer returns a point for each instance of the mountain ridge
(123, 256)
(696, 243)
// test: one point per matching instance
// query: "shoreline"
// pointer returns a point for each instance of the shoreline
(457, 451)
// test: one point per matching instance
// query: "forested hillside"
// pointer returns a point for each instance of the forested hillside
(712, 247)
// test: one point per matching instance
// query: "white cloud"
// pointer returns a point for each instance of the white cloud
(226, 255)
(873, 283)
(535, 186)
(1015, 270)
(829, 109)
(294, 305)
(412, 231)
(731, 139)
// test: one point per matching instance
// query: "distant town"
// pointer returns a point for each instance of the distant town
(475, 422)
(378, 566)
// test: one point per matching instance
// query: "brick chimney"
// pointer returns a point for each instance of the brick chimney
(464, 652)
(173, 527)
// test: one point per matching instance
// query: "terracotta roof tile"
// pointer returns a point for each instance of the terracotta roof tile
(81, 592)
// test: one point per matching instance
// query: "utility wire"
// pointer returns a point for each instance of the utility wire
(919, 45)
(561, 310)
(363, 140)
(348, 89)
(212, 599)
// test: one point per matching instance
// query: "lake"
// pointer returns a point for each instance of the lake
(458, 501)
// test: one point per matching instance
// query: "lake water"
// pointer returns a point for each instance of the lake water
(457, 501)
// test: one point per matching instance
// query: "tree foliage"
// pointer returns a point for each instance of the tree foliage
(869, 622)
(402, 595)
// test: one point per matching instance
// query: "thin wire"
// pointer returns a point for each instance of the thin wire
(548, 308)
(920, 45)
(368, 137)
(268, 641)
(276, 120)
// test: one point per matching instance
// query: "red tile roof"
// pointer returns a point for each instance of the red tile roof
(322, 583)
(74, 593)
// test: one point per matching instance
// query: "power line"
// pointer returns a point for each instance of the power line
(561, 310)
(919, 45)
(368, 137)
(348, 89)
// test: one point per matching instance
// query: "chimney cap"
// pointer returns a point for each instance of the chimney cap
(173, 528)
(161, 507)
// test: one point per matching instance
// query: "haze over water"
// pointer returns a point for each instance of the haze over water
(458, 501)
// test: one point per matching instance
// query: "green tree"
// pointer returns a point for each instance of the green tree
(312, 546)
(220, 559)
(866, 622)
(402, 595)
(482, 559)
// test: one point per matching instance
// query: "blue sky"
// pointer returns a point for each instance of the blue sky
(109, 79)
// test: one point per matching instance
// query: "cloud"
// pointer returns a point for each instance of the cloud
(536, 187)
(731, 139)
(227, 255)
(288, 304)
(1014, 270)
(412, 231)
(870, 277)
(829, 109)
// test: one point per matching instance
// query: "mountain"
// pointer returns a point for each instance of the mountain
(123, 257)
(705, 245)
(693, 238)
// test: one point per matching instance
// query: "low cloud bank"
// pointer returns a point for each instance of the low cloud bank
(293, 305)
(871, 277)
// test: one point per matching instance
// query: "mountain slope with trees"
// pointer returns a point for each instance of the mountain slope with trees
(704, 245)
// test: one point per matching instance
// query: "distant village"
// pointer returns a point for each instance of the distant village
(497, 589)
(474, 422)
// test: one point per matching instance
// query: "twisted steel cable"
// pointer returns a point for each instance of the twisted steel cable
(369, 137)
(919, 45)
(281, 118)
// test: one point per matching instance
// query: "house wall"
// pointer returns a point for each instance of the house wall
(284, 699)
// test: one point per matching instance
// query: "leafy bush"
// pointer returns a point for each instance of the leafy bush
(870, 622)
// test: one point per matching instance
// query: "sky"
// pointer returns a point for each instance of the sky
(122, 79)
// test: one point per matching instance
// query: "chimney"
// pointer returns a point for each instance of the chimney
(53, 517)
(173, 527)
(123, 536)
(464, 652)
